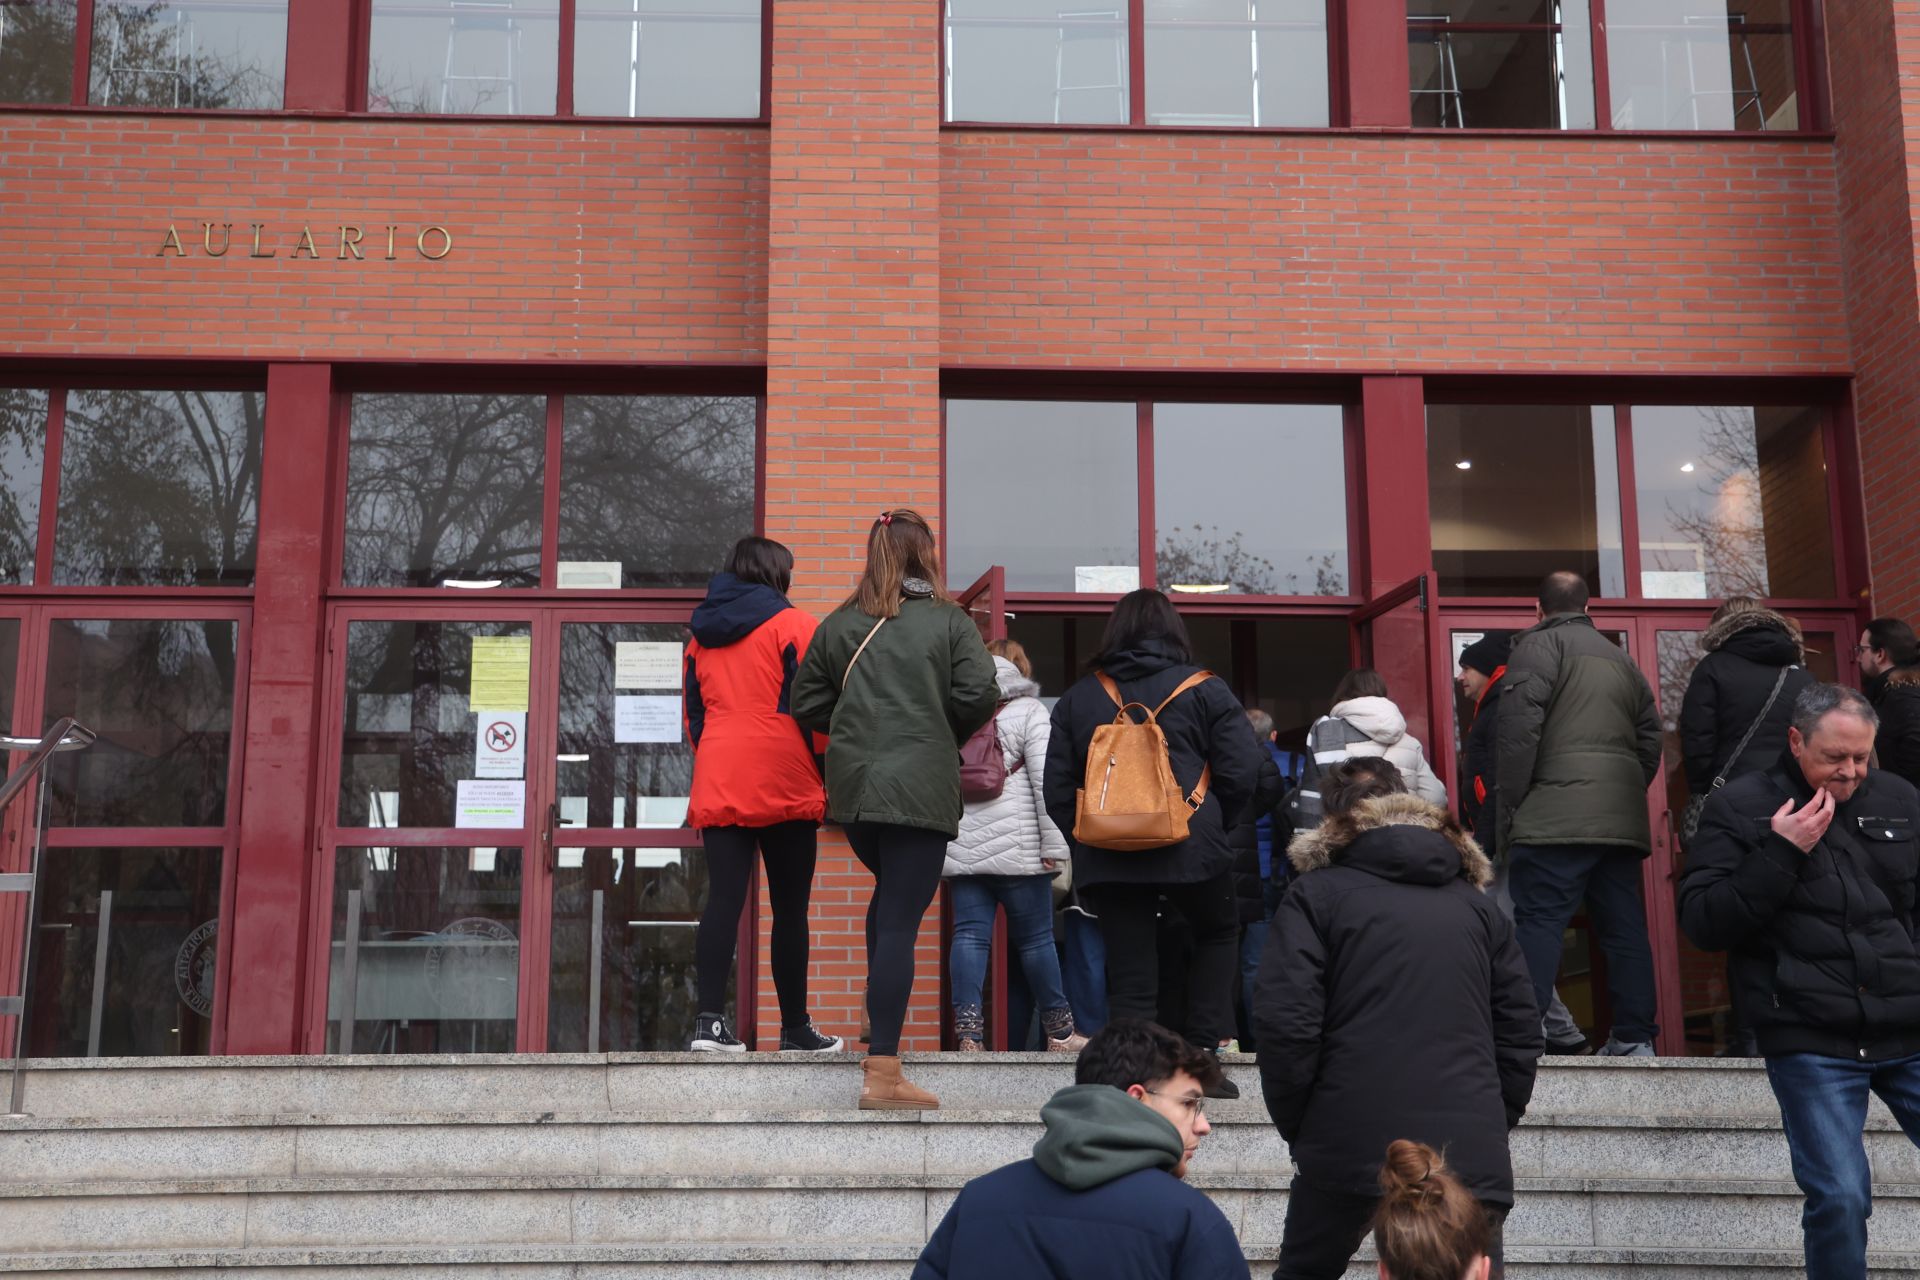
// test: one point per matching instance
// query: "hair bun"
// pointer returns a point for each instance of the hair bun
(1411, 1169)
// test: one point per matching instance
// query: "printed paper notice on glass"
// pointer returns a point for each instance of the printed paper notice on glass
(502, 669)
(500, 744)
(646, 718)
(646, 664)
(1106, 578)
(490, 802)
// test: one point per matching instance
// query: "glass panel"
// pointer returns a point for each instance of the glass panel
(159, 489)
(412, 725)
(445, 489)
(208, 53)
(1515, 492)
(649, 909)
(1733, 501)
(1475, 65)
(1237, 62)
(23, 443)
(660, 486)
(464, 57)
(622, 756)
(161, 928)
(36, 50)
(1702, 64)
(159, 692)
(1005, 505)
(437, 954)
(1707, 1010)
(1250, 530)
(683, 58)
(1037, 61)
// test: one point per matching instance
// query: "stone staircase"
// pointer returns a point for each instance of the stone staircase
(578, 1166)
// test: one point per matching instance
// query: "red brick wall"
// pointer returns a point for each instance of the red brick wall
(853, 364)
(1342, 251)
(1877, 119)
(569, 242)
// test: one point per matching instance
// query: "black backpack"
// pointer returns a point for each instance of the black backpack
(1331, 737)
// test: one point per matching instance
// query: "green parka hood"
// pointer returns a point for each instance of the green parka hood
(1096, 1133)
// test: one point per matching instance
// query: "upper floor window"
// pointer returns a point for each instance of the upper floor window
(631, 58)
(207, 54)
(1514, 64)
(155, 488)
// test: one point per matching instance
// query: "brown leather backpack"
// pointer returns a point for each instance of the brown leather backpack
(1129, 800)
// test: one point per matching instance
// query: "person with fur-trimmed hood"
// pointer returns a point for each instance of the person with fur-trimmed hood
(1388, 939)
(1747, 647)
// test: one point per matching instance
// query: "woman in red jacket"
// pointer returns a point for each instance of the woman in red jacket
(756, 782)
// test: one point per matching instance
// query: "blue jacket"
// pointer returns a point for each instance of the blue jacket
(1096, 1203)
(1291, 765)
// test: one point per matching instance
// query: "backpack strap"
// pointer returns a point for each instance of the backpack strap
(1198, 795)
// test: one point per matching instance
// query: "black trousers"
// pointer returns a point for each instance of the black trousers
(1129, 924)
(906, 863)
(790, 849)
(1324, 1230)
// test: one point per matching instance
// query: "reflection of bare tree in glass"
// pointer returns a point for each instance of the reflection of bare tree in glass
(1199, 554)
(159, 488)
(1725, 521)
(443, 486)
(633, 771)
(23, 431)
(149, 55)
(36, 51)
(663, 484)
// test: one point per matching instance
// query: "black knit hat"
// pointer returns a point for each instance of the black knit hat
(1489, 653)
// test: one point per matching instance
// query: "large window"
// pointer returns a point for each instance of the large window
(1703, 64)
(1236, 499)
(1694, 502)
(631, 58)
(448, 490)
(204, 54)
(1474, 64)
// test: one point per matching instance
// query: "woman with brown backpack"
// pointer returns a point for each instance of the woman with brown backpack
(898, 678)
(1145, 664)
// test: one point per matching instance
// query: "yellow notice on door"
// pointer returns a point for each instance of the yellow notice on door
(502, 669)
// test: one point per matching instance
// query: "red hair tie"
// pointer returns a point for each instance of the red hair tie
(886, 517)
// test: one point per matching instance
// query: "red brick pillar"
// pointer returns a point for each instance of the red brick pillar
(1876, 49)
(853, 367)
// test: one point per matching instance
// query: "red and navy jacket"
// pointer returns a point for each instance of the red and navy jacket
(1479, 756)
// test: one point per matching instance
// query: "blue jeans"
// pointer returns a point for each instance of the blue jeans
(1547, 883)
(1823, 1105)
(1029, 904)
(1084, 972)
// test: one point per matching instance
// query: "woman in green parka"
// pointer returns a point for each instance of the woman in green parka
(898, 678)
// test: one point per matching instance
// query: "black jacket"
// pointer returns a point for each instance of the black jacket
(1480, 759)
(1896, 696)
(1249, 890)
(1726, 693)
(1579, 741)
(1205, 725)
(1822, 944)
(1393, 1002)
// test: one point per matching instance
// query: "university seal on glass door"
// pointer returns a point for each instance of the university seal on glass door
(193, 968)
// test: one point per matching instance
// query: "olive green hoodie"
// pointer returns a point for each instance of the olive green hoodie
(1096, 1133)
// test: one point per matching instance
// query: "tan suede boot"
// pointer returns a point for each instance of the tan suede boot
(882, 1088)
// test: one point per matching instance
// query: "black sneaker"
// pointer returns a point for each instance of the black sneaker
(806, 1038)
(1225, 1089)
(1574, 1048)
(711, 1034)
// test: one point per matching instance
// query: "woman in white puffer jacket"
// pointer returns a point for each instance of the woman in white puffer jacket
(1006, 855)
(1377, 729)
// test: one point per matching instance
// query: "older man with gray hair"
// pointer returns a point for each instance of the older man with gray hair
(1806, 874)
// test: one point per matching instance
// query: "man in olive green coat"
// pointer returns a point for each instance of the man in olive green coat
(1579, 742)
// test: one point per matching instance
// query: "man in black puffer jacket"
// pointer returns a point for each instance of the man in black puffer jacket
(1806, 874)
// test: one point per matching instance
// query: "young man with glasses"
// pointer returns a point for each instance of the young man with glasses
(1102, 1194)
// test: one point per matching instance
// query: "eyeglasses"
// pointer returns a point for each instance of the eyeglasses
(1196, 1105)
(1862, 648)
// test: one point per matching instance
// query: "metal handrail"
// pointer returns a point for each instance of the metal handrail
(65, 735)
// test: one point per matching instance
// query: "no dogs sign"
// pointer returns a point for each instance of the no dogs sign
(500, 744)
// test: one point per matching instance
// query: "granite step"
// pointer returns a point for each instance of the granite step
(665, 1082)
(826, 1210)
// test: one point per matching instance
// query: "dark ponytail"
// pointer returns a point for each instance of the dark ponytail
(1428, 1225)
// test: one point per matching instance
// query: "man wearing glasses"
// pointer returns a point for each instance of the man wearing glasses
(1889, 657)
(1102, 1194)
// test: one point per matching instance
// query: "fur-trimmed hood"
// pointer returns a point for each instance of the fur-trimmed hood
(1902, 678)
(1324, 846)
(1732, 625)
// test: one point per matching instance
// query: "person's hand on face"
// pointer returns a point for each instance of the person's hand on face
(1803, 827)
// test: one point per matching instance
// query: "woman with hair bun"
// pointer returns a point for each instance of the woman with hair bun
(1428, 1225)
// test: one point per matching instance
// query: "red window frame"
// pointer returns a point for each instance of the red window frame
(362, 51)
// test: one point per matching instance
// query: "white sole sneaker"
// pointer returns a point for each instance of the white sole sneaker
(714, 1046)
(836, 1045)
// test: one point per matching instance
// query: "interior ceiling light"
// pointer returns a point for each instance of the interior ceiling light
(471, 584)
(1200, 588)
(1687, 467)
(1465, 464)
(573, 759)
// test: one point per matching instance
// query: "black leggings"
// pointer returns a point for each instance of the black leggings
(790, 849)
(906, 863)
(1130, 926)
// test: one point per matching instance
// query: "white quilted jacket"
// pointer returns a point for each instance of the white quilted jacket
(1010, 834)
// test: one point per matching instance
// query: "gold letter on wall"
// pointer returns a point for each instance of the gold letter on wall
(306, 242)
(226, 238)
(171, 242)
(350, 242)
(420, 242)
(257, 227)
